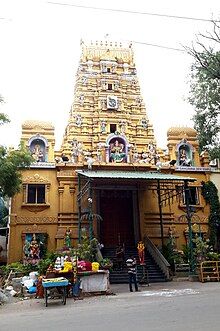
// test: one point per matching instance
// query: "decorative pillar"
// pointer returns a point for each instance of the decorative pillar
(79, 208)
(60, 191)
(160, 213)
(188, 216)
(90, 212)
(107, 154)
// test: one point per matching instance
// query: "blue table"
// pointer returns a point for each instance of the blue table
(60, 284)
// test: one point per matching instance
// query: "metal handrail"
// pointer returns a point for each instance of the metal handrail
(158, 257)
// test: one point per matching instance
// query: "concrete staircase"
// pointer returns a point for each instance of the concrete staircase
(153, 273)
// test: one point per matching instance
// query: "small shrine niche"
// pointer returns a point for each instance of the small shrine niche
(38, 150)
(34, 247)
(185, 154)
(117, 150)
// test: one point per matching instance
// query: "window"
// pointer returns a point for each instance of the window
(110, 87)
(193, 196)
(36, 193)
(108, 70)
(113, 128)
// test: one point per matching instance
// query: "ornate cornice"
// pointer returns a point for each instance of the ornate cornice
(36, 178)
(35, 220)
(66, 173)
(34, 229)
(37, 125)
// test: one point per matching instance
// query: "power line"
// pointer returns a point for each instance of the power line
(155, 45)
(160, 46)
(133, 12)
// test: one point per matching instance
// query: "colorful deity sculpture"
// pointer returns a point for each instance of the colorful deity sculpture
(34, 248)
(67, 238)
(184, 160)
(141, 253)
(117, 152)
(38, 154)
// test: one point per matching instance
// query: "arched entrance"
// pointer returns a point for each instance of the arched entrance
(117, 212)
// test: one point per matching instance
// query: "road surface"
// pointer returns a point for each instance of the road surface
(173, 306)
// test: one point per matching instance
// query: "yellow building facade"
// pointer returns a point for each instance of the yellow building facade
(109, 176)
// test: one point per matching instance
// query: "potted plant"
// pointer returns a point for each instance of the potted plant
(106, 264)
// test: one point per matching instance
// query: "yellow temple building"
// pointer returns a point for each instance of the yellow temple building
(109, 175)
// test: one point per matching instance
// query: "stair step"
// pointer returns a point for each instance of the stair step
(121, 276)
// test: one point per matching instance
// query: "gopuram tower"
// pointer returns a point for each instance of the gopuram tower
(108, 177)
(108, 121)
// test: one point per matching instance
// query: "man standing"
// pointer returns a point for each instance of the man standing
(132, 272)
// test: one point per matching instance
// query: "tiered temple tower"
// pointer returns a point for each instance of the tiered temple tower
(108, 115)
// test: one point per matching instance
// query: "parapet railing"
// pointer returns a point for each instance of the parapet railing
(158, 257)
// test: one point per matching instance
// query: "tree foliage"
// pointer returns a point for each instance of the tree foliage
(205, 90)
(87, 249)
(3, 117)
(11, 162)
(210, 194)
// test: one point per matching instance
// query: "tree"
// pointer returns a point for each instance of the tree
(3, 117)
(11, 162)
(3, 213)
(205, 90)
(210, 194)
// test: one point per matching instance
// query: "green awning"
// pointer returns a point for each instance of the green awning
(133, 175)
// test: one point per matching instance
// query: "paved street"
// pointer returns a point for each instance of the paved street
(166, 306)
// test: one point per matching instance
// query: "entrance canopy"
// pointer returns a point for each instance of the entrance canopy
(166, 185)
(131, 175)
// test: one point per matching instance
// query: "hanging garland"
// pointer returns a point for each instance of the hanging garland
(210, 194)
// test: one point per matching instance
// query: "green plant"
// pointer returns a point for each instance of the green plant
(204, 251)
(87, 249)
(43, 264)
(201, 248)
(185, 249)
(210, 194)
(106, 263)
(18, 267)
(172, 255)
(3, 213)
(213, 256)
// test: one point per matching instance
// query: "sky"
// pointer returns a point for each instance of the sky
(40, 52)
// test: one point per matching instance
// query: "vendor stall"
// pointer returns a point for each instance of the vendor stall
(94, 281)
(90, 281)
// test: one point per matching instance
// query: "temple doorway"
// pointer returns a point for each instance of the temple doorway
(117, 226)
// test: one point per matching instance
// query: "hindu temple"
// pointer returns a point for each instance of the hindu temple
(109, 176)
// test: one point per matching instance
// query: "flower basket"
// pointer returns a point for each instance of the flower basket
(106, 264)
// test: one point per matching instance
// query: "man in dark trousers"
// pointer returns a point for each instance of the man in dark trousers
(132, 272)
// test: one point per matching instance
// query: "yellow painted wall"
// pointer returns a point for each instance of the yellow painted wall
(90, 104)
